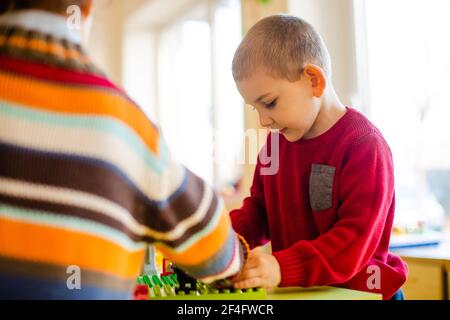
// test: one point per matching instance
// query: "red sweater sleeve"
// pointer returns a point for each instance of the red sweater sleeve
(250, 221)
(366, 192)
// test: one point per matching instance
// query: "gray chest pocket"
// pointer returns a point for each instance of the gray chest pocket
(321, 187)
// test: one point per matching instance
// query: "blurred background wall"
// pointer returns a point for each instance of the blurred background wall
(174, 58)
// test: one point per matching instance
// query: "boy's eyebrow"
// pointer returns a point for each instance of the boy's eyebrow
(262, 97)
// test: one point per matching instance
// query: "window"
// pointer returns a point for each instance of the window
(200, 111)
(185, 91)
(407, 80)
(187, 48)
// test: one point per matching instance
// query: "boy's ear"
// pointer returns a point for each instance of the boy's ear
(317, 77)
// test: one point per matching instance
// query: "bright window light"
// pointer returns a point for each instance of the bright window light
(409, 81)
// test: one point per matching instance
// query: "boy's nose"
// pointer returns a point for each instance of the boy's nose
(265, 121)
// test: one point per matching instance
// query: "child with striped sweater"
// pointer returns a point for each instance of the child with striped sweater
(86, 179)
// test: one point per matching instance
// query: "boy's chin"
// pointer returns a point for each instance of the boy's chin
(292, 140)
(292, 137)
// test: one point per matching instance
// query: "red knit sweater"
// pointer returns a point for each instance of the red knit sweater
(329, 209)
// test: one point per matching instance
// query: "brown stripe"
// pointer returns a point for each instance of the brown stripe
(51, 60)
(80, 64)
(72, 211)
(48, 40)
(59, 273)
(194, 229)
(96, 179)
(186, 202)
(29, 34)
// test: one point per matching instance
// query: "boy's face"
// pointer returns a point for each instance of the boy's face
(288, 106)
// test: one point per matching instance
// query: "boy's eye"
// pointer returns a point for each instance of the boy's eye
(271, 105)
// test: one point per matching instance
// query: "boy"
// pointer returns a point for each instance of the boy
(86, 179)
(329, 209)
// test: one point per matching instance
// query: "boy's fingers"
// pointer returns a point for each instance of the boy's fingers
(252, 265)
(249, 283)
(246, 274)
(252, 262)
(249, 265)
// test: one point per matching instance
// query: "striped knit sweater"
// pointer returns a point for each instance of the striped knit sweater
(87, 180)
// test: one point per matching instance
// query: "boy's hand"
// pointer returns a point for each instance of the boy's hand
(260, 270)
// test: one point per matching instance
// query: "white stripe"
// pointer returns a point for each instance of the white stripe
(211, 227)
(97, 145)
(42, 21)
(232, 269)
(108, 208)
(197, 217)
(70, 197)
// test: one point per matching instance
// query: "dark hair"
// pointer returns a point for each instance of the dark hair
(58, 6)
(4, 6)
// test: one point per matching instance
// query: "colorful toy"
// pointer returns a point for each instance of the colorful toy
(168, 288)
(174, 284)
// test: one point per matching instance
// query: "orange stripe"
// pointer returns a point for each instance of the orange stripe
(204, 249)
(43, 47)
(41, 95)
(63, 247)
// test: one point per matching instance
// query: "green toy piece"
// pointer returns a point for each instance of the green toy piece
(164, 289)
(181, 286)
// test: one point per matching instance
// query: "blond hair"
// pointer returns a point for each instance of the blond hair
(281, 45)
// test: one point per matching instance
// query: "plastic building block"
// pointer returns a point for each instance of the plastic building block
(141, 292)
(215, 294)
(167, 267)
(150, 266)
(168, 288)
(174, 284)
(185, 282)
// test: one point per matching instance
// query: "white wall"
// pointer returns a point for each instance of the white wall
(122, 44)
(106, 42)
(139, 68)
(333, 19)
